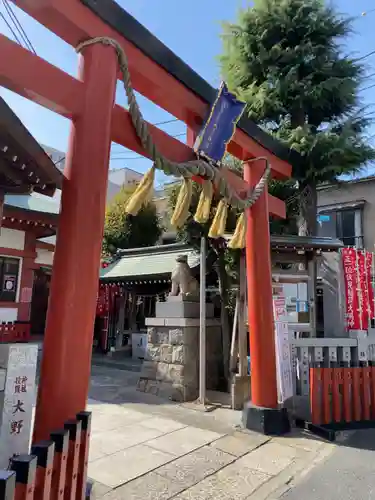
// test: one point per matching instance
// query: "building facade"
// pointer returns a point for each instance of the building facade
(23, 256)
(347, 212)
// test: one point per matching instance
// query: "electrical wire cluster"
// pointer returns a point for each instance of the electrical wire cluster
(9, 16)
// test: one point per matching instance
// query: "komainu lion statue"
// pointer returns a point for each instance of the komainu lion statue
(183, 283)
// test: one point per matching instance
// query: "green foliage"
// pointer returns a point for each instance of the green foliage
(284, 58)
(126, 231)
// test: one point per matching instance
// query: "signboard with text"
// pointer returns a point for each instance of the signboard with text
(18, 399)
(283, 357)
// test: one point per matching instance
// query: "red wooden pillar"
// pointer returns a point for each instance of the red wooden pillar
(70, 319)
(259, 285)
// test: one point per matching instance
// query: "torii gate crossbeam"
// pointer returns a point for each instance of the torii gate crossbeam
(89, 103)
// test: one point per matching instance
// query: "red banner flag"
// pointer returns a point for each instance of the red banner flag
(363, 291)
(371, 303)
(351, 285)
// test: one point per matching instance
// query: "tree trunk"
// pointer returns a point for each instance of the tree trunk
(307, 226)
(225, 327)
(308, 209)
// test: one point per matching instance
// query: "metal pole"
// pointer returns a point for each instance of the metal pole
(242, 333)
(311, 290)
(202, 324)
(234, 341)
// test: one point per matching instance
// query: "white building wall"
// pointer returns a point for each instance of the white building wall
(44, 257)
(10, 238)
(8, 314)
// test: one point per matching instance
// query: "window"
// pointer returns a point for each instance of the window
(9, 269)
(345, 224)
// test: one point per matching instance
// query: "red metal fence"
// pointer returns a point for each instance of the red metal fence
(342, 395)
(55, 469)
(14, 332)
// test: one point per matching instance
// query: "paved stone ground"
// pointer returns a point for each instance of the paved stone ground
(143, 447)
(348, 473)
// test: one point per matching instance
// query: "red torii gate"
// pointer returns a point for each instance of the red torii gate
(96, 121)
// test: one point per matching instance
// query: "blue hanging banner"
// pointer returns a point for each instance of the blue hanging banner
(220, 126)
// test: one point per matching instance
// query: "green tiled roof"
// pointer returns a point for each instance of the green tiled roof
(152, 261)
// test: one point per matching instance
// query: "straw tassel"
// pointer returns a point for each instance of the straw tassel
(142, 194)
(181, 211)
(202, 213)
(238, 240)
(217, 228)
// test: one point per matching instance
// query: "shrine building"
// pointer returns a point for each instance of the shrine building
(28, 180)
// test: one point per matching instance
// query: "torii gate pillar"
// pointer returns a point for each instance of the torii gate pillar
(71, 313)
(262, 413)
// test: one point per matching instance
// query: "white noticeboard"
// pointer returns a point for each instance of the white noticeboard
(139, 345)
(18, 400)
(283, 357)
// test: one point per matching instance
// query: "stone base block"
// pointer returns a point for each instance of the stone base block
(167, 390)
(268, 421)
(181, 309)
(171, 365)
(240, 391)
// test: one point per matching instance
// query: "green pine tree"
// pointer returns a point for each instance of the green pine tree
(285, 59)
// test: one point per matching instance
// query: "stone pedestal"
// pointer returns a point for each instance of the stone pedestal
(171, 365)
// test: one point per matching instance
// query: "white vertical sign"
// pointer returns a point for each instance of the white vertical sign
(283, 357)
(19, 397)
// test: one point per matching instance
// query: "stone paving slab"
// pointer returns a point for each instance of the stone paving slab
(106, 421)
(271, 458)
(123, 466)
(200, 456)
(240, 443)
(192, 468)
(109, 442)
(162, 424)
(183, 441)
(231, 483)
(152, 486)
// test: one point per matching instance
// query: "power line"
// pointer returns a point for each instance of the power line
(162, 123)
(166, 121)
(131, 157)
(17, 24)
(138, 157)
(369, 87)
(365, 56)
(11, 29)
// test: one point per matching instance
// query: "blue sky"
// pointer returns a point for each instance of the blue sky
(192, 32)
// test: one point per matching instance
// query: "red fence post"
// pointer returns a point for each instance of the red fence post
(25, 468)
(327, 385)
(7, 484)
(316, 387)
(366, 388)
(337, 381)
(85, 418)
(356, 393)
(44, 452)
(74, 428)
(61, 440)
(347, 393)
